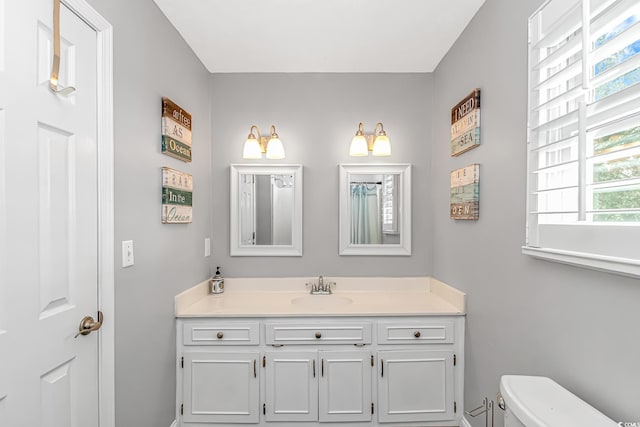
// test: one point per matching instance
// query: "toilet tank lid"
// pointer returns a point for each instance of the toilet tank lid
(541, 402)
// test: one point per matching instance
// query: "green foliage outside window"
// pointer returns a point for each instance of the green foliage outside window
(617, 141)
(616, 170)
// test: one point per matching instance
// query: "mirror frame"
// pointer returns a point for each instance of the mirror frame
(295, 249)
(404, 171)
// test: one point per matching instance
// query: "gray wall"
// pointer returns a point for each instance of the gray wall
(316, 116)
(525, 316)
(151, 61)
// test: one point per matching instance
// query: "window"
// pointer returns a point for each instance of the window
(583, 202)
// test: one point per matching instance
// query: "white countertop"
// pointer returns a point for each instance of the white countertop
(364, 296)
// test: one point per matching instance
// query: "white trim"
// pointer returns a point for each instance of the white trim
(401, 249)
(175, 424)
(615, 265)
(464, 422)
(106, 303)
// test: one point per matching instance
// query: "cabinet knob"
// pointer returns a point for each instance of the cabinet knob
(220, 335)
(416, 334)
(318, 335)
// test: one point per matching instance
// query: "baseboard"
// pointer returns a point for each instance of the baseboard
(175, 424)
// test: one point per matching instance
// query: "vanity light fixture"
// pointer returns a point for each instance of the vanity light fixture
(255, 146)
(378, 143)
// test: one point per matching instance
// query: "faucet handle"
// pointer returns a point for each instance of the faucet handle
(330, 284)
(311, 285)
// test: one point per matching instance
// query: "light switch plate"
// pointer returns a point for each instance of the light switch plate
(207, 246)
(127, 253)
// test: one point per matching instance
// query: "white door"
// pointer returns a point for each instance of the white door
(247, 210)
(345, 386)
(221, 387)
(49, 221)
(415, 385)
(291, 386)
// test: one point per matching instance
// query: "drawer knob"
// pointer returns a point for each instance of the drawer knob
(416, 334)
(220, 335)
(318, 335)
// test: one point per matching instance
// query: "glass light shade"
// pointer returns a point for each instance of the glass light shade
(252, 149)
(382, 146)
(275, 150)
(358, 146)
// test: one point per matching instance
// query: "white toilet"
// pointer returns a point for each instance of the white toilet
(541, 402)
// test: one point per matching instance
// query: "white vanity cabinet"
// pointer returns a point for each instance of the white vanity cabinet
(416, 382)
(324, 386)
(345, 385)
(220, 387)
(320, 371)
(219, 367)
(416, 385)
(324, 383)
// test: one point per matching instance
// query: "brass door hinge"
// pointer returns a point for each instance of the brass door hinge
(455, 407)
(264, 361)
(182, 409)
(182, 362)
(372, 360)
(371, 408)
(264, 409)
(455, 360)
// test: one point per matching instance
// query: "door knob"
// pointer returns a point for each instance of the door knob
(88, 325)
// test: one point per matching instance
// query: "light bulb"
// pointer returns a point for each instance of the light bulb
(252, 149)
(382, 146)
(275, 150)
(358, 146)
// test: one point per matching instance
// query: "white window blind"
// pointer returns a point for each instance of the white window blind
(390, 204)
(583, 203)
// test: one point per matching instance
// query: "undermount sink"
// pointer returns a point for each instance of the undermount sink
(321, 300)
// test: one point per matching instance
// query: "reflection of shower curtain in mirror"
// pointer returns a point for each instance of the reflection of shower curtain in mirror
(365, 214)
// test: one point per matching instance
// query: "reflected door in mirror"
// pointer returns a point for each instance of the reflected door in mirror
(266, 209)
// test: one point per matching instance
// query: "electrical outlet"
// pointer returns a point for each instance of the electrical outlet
(127, 253)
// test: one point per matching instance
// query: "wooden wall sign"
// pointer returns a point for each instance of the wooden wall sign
(465, 124)
(176, 131)
(177, 196)
(465, 193)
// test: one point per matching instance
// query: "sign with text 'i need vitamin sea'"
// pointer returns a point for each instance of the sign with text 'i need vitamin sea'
(465, 124)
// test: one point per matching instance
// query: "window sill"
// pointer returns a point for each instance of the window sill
(615, 265)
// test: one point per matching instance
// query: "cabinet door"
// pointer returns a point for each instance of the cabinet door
(415, 385)
(345, 386)
(220, 387)
(291, 386)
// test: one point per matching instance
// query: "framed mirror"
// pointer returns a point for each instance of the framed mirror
(375, 209)
(266, 210)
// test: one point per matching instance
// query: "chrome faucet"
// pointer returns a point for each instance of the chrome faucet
(322, 287)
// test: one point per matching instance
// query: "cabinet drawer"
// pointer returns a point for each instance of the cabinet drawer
(352, 333)
(229, 334)
(440, 332)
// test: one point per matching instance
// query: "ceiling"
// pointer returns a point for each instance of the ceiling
(397, 36)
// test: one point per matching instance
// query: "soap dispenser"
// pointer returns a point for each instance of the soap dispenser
(216, 283)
